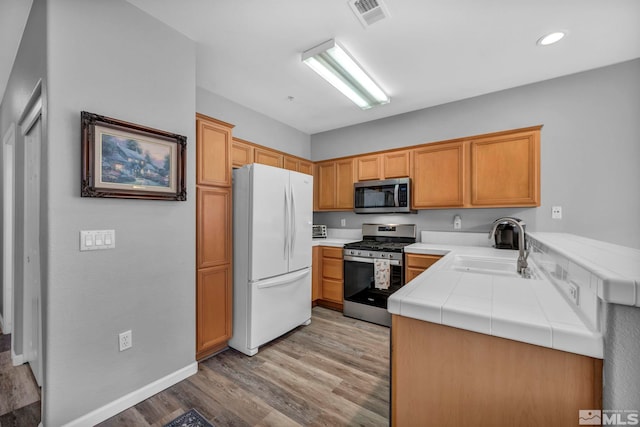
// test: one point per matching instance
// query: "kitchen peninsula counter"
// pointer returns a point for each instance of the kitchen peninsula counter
(472, 348)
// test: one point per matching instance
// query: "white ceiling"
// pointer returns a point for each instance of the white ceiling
(428, 52)
(13, 17)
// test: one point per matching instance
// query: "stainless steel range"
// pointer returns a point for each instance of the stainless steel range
(374, 269)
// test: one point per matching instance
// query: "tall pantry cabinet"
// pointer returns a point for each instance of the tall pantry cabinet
(214, 273)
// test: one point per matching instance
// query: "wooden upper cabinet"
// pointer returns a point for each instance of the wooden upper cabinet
(439, 175)
(369, 167)
(213, 145)
(267, 157)
(241, 153)
(505, 169)
(305, 167)
(299, 165)
(326, 181)
(334, 184)
(213, 232)
(396, 164)
(345, 177)
(291, 163)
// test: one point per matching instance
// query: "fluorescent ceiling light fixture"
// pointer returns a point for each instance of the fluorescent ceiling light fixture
(337, 67)
(551, 38)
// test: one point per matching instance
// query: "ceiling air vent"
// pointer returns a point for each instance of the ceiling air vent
(369, 11)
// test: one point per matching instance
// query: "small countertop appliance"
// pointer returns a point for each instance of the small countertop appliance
(507, 235)
(319, 231)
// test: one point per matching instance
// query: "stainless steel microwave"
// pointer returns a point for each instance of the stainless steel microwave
(386, 196)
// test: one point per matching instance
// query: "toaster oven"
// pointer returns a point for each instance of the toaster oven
(319, 231)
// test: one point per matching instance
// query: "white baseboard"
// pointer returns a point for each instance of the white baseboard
(16, 359)
(137, 396)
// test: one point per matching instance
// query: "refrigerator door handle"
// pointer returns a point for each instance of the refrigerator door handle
(286, 224)
(279, 281)
(293, 221)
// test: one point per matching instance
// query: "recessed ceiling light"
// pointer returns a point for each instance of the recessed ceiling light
(551, 38)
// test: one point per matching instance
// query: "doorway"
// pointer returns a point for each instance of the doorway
(8, 144)
(31, 127)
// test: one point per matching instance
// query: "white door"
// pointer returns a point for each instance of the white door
(8, 246)
(269, 218)
(302, 220)
(278, 305)
(31, 257)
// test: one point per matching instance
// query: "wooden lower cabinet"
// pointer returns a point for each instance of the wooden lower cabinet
(329, 289)
(213, 309)
(443, 376)
(416, 264)
(316, 274)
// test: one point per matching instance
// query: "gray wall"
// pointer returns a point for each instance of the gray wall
(110, 58)
(254, 126)
(589, 150)
(621, 352)
(29, 67)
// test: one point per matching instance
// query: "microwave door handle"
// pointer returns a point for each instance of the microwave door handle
(395, 195)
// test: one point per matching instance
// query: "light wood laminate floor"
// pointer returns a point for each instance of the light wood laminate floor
(19, 393)
(334, 372)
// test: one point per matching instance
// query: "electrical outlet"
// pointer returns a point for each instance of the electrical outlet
(126, 340)
(574, 293)
(343, 222)
(457, 222)
(556, 212)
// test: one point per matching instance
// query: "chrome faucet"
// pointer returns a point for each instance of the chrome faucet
(523, 269)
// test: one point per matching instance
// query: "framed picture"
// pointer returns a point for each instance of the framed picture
(129, 161)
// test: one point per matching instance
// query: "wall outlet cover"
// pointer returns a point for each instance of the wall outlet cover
(125, 340)
(556, 212)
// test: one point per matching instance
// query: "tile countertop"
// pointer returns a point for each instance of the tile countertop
(330, 241)
(526, 310)
(617, 268)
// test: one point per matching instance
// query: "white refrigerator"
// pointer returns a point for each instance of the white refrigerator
(272, 219)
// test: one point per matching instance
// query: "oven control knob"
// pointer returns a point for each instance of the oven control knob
(370, 254)
(383, 255)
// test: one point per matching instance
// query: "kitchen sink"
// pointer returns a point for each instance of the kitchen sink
(485, 265)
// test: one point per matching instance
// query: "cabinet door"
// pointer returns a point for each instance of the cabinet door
(241, 154)
(438, 175)
(213, 146)
(213, 233)
(291, 163)
(213, 309)
(369, 167)
(416, 264)
(305, 167)
(396, 164)
(267, 157)
(344, 184)
(505, 170)
(326, 184)
(316, 274)
(332, 274)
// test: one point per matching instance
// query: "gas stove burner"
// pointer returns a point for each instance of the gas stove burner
(372, 245)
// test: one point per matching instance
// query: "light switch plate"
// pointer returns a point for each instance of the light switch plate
(93, 240)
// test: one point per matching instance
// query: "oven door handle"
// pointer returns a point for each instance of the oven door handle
(370, 260)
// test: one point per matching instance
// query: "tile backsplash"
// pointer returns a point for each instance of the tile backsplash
(566, 275)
